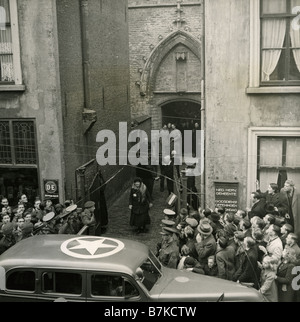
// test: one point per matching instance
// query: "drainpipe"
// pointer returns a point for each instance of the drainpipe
(203, 101)
(89, 115)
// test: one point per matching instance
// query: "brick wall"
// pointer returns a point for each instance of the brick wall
(150, 24)
(107, 26)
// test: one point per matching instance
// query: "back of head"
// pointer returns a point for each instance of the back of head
(223, 242)
(289, 228)
(258, 234)
(250, 242)
(271, 219)
(246, 223)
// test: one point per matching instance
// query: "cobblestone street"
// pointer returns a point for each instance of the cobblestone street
(119, 215)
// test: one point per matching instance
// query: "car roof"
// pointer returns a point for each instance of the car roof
(76, 252)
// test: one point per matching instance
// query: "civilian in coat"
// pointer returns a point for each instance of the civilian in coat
(167, 172)
(284, 276)
(206, 244)
(248, 269)
(258, 206)
(225, 258)
(272, 195)
(274, 245)
(267, 278)
(139, 203)
(290, 198)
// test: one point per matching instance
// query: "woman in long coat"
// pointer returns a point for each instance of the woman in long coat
(139, 203)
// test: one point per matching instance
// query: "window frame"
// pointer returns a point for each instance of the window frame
(17, 85)
(255, 84)
(254, 133)
(12, 145)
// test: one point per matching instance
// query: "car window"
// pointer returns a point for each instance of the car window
(21, 281)
(148, 273)
(112, 285)
(62, 282)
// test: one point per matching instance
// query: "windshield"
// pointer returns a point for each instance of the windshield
(150, 271)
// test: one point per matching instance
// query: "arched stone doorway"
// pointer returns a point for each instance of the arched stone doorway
(184, 114)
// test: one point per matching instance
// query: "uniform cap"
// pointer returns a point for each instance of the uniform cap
(192, 222)
(49, 216)
(169, 212)
(171, 230)
(71, 209)
(89, 204)
(168, 223)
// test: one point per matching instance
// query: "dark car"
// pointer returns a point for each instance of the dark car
(91, 269)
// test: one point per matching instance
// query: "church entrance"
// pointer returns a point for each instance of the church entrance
(183, 114)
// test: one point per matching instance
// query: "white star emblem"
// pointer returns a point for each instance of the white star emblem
(91, 245)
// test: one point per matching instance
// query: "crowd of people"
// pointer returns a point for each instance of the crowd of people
(257, 248)
(41, 218)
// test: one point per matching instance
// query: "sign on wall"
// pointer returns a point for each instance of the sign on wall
(226, 195)
(51, 189)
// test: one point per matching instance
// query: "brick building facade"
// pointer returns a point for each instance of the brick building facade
(64, 77)
(211, 61)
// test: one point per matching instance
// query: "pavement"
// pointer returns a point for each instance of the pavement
(119, 216)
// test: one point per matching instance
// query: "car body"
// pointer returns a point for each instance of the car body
(77, 268)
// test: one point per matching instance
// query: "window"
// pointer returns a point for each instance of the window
(274, 46)
(280, 42)
(112, 286)
(21, 281)
(10, 67)
(278, 160)
(17, 143)
(273, 155)
(61, 282)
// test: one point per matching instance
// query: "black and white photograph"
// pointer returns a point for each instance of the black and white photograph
(150, 153)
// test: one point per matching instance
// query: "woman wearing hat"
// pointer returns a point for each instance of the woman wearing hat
(139, 203)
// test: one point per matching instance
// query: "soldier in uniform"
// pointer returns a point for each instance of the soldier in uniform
(47, 226)
(66, 221)
(169, 252)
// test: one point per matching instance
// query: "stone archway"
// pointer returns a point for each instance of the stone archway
(184, 114)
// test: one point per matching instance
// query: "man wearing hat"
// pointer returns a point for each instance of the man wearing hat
(206, 244)
(47, 226)
(168, 254)
(88, 217)
(170, 214)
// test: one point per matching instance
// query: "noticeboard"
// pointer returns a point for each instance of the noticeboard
(226, 195)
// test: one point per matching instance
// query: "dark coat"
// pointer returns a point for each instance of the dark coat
(285, 277)
(140, 207)
(258, 209)
(225, 260)
(273, 199)
(295, 215)
(248, 270)
(206, 248)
